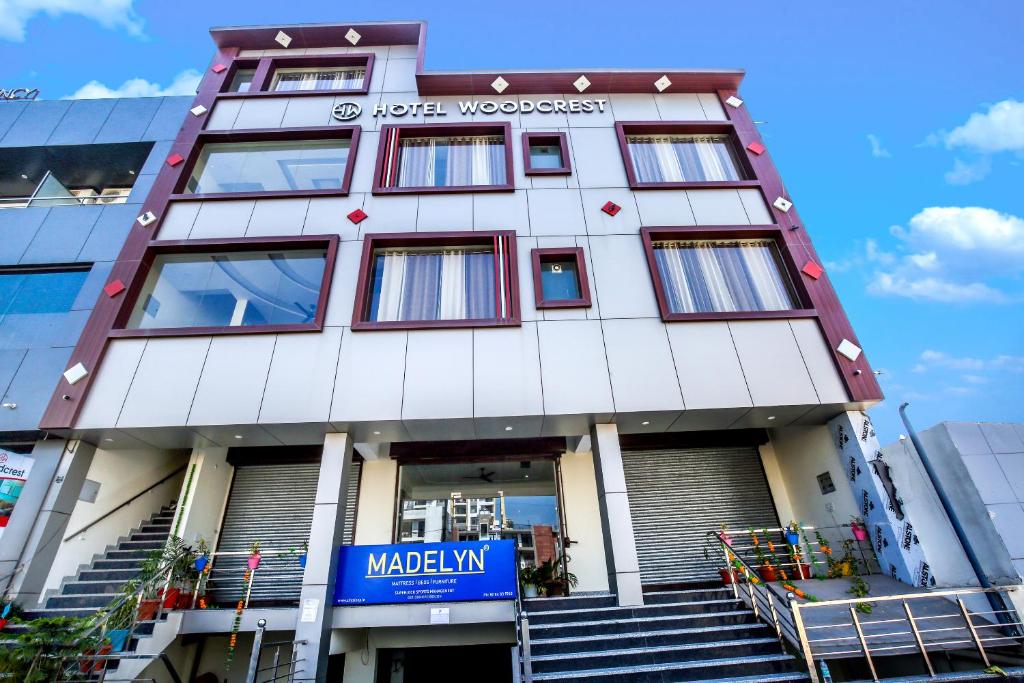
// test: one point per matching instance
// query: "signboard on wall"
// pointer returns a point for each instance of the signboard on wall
(425, 572)
(14, 469)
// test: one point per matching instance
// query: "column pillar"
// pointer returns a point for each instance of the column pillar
(62, 466)
(201, 500)
(325, 532)
(616, 521)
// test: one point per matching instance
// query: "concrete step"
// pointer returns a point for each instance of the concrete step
(141, 545)
(677, 637)
(92, 587)
(536, 605)
(106, 564)
(133, 554)
(656, 655)
(121, 575)
(758, 668)
(639, 611)
(658, 597)
(636, 624)
(79, 601)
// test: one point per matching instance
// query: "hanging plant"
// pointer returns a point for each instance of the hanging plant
(235, 626)
(792, 533)
(254, 555)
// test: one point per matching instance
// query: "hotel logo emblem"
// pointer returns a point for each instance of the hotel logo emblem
(346, 111)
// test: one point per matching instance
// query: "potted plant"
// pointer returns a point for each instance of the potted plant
(551, 578)
(303, 553)
(151, 596)
(202, 556)
(764, 566)
(845, 565)
(119, 620)
(529, 580)
(254, 555)
(792, 533)
(858, 529)
(732, 574)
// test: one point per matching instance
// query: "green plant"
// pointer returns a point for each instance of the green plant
(254, 549)
(551, 577)
(859, 588)
(122, 615)
(758, 551)
(528, 575)
(37, 652)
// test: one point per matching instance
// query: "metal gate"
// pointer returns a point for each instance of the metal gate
(677, 496)
(271, 503)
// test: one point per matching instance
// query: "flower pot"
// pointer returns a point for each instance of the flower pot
(201, 563)
(529, 591)
(3, 622)
(170, 597)
(184, 600)
(767, 573)
(118, 639)
(554, 590)
(803, 571)
(859, 532)
(254, 561)
(101, 664)
(147, 609)
(726, 539)
(793, 537)
(84, 663)
(302, 560)
(730, 577)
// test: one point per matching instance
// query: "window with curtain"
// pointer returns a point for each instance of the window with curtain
(341, 78)
(433, 283)
(722, 276)
(450, 162)
(270, 166)
(683, 158)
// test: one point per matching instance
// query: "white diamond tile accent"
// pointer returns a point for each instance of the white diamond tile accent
(782, 204)
(849, 349)
(582, 83)
(499, 84)
(662, 83)
(734, 101)
(283, 39)
(198, 110)
(352, 36)
(146, 218)
(75, 373)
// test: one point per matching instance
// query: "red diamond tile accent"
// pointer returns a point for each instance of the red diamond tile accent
(756, 147)
(611, 208)
(114, 288)
(357, 216)
(218, 68)
(175, 159)
(813, 269)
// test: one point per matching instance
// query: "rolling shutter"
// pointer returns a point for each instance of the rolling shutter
(677, 496)
(272, 503)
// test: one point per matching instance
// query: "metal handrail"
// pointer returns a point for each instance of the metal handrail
(124, 504)
(91, 659)
(972, 635)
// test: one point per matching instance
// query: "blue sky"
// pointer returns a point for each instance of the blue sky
(898, 127)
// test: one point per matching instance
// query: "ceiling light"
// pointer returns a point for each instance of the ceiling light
(238, 436)
(24, 176)
(376, 432)
(526, 476)
(508, 428)
(131, 172)
(108, 439)
(771, 417)
(645, 423)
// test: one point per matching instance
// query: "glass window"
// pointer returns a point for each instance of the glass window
(482, 501)
(545, 156)
(242, 81)
(433, 283)
(683, 158)
(450, 162)
(235, 289)
(722, 276)
(34, 305)
(559, 280)
(341, 78)
(270, 166)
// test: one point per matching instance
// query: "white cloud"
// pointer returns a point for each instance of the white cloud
(930, 358)
(1000, 129)
(111, 14)
(975, 379)
(967, 173)
(943, 359)
(951, 255)
(877, 150)
(184, 83)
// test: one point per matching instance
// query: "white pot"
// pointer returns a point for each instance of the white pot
(529, 591)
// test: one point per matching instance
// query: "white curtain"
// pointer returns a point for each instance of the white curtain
(682, 158)
(333, 79)
(443, 284)
(722, 277)
(448, 162)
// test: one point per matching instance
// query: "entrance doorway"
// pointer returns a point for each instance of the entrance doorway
(429, 664)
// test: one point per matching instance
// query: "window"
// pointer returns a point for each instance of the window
(560, 278)
(439, 280)
(680, 155)
(206, 286)
(34, 303)
(242, 80)
(339, 78)
(273, 162)
(545, 154)
(719, 276)
(444, 157)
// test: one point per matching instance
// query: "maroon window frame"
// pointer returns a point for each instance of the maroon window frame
(508, 269)
(230, 245)
(426, 130)
(540, 256)
(559, 139)
(624, 128)
(266, 66)
(270, 135)
(651, 235)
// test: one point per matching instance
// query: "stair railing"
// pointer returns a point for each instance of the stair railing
(522, 667)
(272, 573)
(125, 503)
(276, 665)
(93, 668)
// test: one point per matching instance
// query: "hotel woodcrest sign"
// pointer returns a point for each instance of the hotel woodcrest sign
(18, 94)
(346, 111)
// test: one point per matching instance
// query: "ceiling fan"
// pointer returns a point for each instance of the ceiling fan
(484, 476)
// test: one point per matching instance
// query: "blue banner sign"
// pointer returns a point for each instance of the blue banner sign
(426, 572)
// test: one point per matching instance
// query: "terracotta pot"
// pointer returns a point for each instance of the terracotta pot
(554, 590)
(3, 622)
(859, 532)
(803, 570)
(147, 609)
(101, 664)
(84, 663)
(170, 597)
(768, 573)
(730, 577)
(184, 600)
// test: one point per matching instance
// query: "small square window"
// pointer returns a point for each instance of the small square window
(545, 154)
(560, 278)
(242, 80)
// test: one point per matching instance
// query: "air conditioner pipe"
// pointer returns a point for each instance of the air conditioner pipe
(994, 599)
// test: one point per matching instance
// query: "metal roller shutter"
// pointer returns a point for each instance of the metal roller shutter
(272, 503)
(677, 496)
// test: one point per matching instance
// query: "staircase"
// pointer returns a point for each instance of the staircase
(98, 584)
(687, 635)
